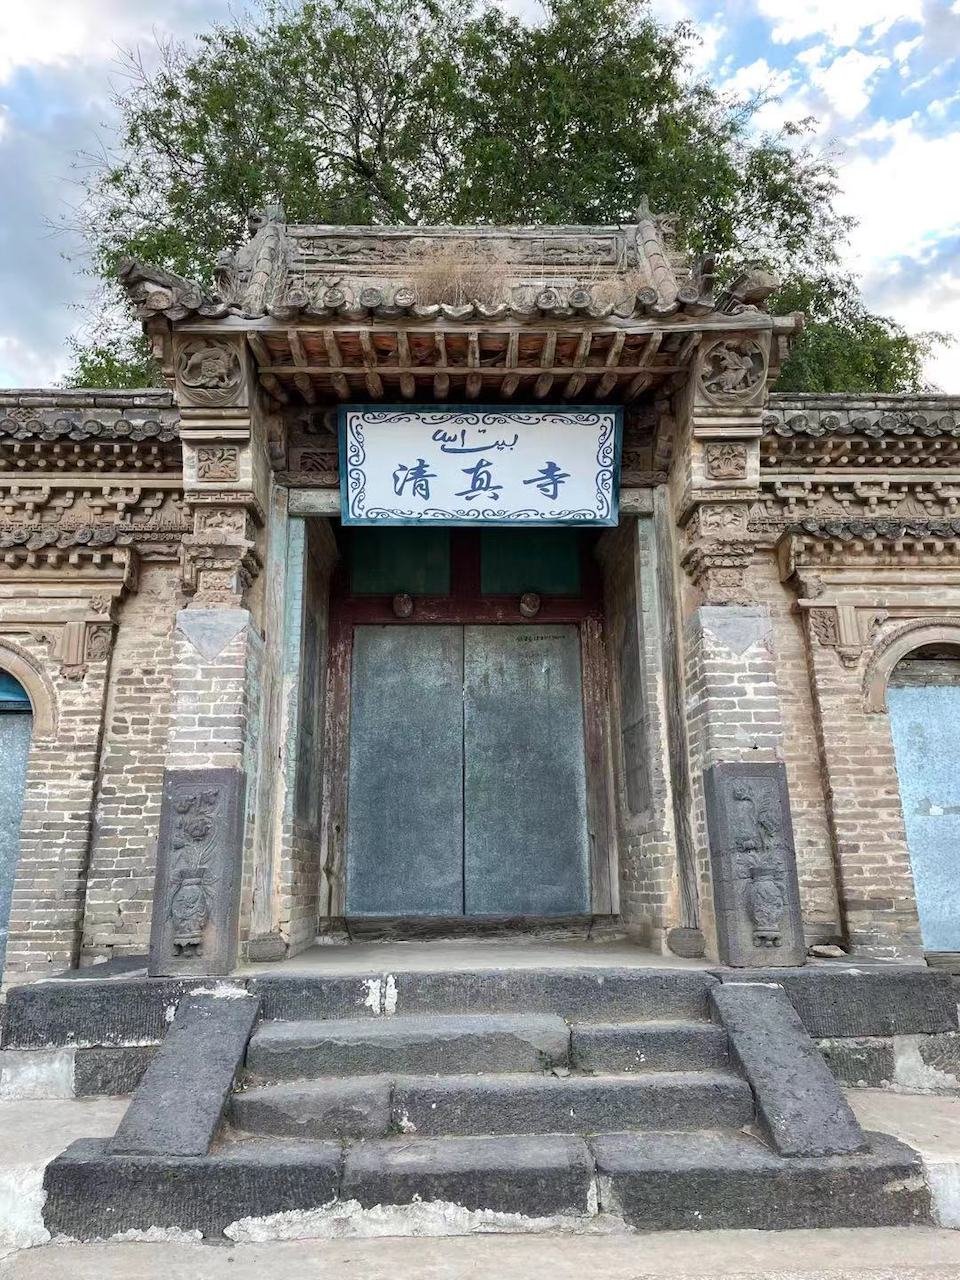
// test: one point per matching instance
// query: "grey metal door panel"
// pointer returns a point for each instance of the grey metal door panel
(14, 750)
(405, 804)
(925, 723)
(525, 839)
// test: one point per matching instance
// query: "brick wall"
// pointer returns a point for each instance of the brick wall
(801, 755)
(48, 892)
(136, 734)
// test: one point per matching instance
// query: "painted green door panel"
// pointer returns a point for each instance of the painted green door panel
(14, 749)
(516, 560)
(525, 837)
(925, 723)
(387, 561)
(405, 802)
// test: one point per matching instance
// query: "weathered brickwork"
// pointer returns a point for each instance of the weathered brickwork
(135, 745)
(48, 893)
(801, 755)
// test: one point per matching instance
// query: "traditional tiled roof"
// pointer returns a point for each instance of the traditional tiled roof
(448, 273)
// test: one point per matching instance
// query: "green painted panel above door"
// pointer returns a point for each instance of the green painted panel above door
(516, 560)
(384, 562)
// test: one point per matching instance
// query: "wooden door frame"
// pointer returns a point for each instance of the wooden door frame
(465, 606)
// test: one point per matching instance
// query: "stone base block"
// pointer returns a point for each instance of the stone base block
(666, 1182)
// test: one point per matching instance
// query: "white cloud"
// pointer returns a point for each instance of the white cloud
(24, 366)
(847, 80)
(905, 199)
(842, 22)
(59, 33)
(902, 51)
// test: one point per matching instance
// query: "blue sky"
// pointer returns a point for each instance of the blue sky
(881, 77)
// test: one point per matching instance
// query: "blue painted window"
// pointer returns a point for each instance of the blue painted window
(15, 724)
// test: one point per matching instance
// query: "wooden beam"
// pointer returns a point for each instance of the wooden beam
(441, 385)
(509, 385)
(260, 350)
(408, 386)
(541, 387)
(274, 386)
(474, 385)
(340, 384)
(473, 349)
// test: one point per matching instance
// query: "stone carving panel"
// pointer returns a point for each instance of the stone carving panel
(732, 371)
(752, 856)
(196, 898)
(209, 373)
(726, 460)
(218, 462)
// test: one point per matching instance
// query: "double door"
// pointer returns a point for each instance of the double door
(467, 788)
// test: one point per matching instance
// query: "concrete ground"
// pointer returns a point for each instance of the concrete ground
(442, 955)
(34, 1131)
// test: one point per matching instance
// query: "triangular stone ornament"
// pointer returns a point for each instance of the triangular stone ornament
(211, 630)
(737, 627)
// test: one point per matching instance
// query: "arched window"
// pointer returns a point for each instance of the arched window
(16, 723)
(923, 698)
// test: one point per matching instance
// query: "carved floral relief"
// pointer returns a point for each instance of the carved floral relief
(726, 460)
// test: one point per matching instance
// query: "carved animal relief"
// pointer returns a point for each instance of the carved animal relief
(732, 371)
(209, 373)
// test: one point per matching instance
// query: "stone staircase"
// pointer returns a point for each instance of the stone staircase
(506, 1099)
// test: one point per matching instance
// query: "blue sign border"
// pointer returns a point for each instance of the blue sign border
(484, 517)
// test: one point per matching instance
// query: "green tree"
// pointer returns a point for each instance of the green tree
(417, 111)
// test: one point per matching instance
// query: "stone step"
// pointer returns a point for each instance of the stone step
(375, 1106)
(714, 1181)
(418, 1044)
(648, 1046)
(654, 1181)
(578, 995)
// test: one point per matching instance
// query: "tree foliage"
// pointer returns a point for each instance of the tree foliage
(418, 111)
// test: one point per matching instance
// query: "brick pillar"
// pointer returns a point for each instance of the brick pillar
(204, 875)
(740, 814)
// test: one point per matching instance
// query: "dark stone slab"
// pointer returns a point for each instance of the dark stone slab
(308, 997)
(534, 1176)
(588, 994)
(196, 896)
(180, 1101)
(867, 1062)
(851, 1001)
(708, 1181)
(799, 1103)
(465, 1105)
(752, 857)
(648, 1046)
(354, 1108)
(413, 1043)
(91, 1195)
(94, 1012)
(110, 1071)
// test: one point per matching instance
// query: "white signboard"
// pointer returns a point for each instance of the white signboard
(461, 465)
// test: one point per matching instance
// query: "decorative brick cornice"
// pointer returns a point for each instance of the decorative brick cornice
(818, 416)
(876, 531)
(91, 422)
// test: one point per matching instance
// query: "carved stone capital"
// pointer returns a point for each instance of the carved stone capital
(719, 569)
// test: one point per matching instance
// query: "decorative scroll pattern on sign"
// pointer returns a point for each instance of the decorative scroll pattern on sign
(465, 467)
